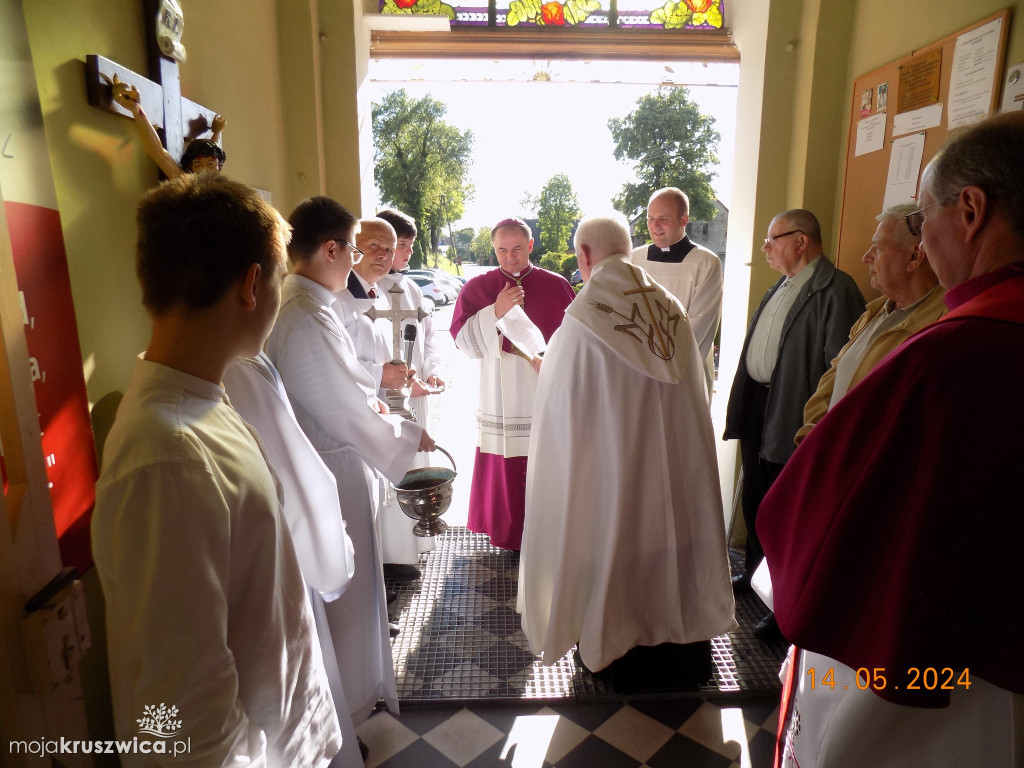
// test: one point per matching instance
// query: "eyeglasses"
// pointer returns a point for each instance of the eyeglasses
(355, 251)
(915, 219)
(770, 240)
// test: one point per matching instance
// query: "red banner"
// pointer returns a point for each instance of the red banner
(55, 362)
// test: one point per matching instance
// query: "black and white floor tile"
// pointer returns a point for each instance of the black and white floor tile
(687, 733)
(473, 694)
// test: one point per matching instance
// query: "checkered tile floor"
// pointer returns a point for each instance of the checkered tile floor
(472, 694)
(461, 639)
(687, 733)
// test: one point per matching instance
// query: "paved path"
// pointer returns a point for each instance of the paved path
(453, 419)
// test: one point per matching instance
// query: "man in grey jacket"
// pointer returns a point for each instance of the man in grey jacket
(801, 324)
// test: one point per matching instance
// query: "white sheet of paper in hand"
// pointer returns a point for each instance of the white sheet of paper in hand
(520, 330)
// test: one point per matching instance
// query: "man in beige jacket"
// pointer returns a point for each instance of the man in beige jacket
(911, 299)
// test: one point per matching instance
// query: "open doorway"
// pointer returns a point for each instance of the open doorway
(534, 119)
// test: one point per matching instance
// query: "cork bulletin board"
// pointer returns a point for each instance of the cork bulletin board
(914, 94)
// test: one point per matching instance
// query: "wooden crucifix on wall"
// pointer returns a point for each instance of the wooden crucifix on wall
(166, 121)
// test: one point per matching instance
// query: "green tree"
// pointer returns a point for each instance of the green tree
(671, 144)
(481, 247)
(418, 159)
(551, 261)
(569, 265)
(464, 241)
(557, 210)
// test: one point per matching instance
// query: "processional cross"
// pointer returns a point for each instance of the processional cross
(396, 315)
(160, 96)
(398, 399)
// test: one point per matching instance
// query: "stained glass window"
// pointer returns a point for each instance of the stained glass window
(571, 13)
(649, 14)
(684, 14)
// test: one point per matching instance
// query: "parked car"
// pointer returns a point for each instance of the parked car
(431, 292)
(576, 278)
(442, 280)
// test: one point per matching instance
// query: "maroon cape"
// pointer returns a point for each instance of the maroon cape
(497, 499)
(547, 296)
(894, 533)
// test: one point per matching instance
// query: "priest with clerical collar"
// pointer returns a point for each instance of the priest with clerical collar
(690, 272)
(507, 378)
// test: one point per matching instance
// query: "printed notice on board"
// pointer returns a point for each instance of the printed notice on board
(919, 81)
(870, 135)
(973, 75)
(919, 120)
(904, 170)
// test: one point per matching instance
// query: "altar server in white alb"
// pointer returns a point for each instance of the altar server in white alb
(624, 544)
(372, 308)
(206, 609)
(692, 273)
(311, 509)
(336, 404)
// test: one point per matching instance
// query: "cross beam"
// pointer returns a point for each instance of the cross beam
(99, 73)
(396, 315)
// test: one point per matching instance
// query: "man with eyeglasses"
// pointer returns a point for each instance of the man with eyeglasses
(894, 532)
(801, 324)
(911, 299)
(690, 272)
(336, 404)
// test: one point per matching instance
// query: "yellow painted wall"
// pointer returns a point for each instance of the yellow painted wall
(801, 121)
(99, 171)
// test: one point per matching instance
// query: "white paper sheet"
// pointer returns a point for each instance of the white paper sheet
(973, 75)
(520, 330)
(917, 120)
(904, 170)
(870, 135)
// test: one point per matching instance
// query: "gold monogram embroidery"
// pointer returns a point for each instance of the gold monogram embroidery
(654, 326)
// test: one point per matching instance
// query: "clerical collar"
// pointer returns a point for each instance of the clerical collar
(518, 276)
(673, 254)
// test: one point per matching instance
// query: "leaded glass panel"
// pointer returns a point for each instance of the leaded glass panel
(672, 14)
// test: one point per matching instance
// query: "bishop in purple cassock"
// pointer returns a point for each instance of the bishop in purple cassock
(507, 378)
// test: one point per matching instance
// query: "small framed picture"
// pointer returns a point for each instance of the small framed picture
(883, 97)
(865, 103)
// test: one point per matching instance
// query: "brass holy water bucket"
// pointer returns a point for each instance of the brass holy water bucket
(425, 494)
